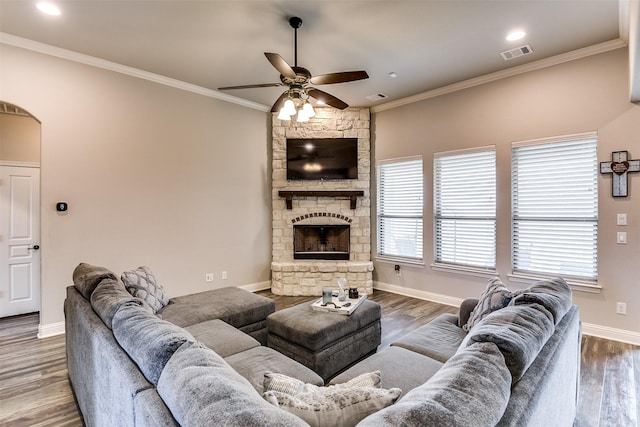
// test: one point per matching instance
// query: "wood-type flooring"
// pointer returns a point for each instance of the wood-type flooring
(35, 390)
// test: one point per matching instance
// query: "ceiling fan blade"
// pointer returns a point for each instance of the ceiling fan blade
(251, 86)
(280, 102)
(327, 98)
(343, 77)
(280, 65)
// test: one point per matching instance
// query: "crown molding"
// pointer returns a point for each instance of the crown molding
(92, 61)
(510, 72)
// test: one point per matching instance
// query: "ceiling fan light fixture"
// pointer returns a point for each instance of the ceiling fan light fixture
(289, 107)
(283, 115)
(302, 116)
(308, 109)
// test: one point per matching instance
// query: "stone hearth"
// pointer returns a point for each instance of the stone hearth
(291, 276)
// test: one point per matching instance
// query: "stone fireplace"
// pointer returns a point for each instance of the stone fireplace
(321, 229)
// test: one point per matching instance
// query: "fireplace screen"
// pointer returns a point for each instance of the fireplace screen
(321, 242)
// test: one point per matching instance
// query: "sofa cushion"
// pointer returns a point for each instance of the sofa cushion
(201, 389)
(335, 405)
(519, 331)
(438, 339)
(86, 277)
(471, 389)
(107, 298)
(254, 363)
(149, 341)
(554, 295)
(237, 307)
(494, 297)
(221, 337)
(142, 283)
(387, 362)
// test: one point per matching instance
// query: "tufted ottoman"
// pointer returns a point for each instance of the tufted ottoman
(325, 342)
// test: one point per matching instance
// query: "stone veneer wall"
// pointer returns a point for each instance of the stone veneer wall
(308, 277)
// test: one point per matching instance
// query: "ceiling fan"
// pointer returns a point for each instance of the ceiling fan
(299, 79)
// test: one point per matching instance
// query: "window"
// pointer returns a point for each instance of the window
(400, 206)
(555, 207)
(464, 201)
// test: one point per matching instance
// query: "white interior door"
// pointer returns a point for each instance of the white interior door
(19, 240)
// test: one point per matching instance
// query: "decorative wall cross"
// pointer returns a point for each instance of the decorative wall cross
(619, 167)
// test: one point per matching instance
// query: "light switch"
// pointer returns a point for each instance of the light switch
(622, 219)
(622, 237)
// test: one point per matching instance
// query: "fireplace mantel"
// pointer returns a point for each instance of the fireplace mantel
(289, 195)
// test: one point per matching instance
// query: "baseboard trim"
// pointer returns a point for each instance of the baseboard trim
(621, 335)
(614, 334)
(255, 287)
(415, 293)
(50, 330)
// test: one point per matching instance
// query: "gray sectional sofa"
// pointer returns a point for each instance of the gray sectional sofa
(194, 362)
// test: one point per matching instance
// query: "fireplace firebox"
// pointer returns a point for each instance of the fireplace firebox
(330, 242)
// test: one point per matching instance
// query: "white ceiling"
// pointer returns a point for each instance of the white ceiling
(429, 44)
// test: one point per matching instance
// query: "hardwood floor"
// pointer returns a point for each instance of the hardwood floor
(35, 390)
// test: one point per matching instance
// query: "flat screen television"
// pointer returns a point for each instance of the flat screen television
(322, 159)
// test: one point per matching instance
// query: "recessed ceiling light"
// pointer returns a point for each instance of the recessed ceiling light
(393, 75)
(516, 35)
(48, 8)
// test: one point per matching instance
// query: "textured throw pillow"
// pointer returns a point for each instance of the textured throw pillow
(337, 405)
(141, 283)
(494, 297)
(87, 277)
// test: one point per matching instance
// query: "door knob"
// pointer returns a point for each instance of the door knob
(35, 247)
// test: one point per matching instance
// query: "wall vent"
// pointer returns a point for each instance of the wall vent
(376, 97)
(517, 52)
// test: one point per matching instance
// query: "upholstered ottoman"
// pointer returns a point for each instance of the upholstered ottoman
(325, 342)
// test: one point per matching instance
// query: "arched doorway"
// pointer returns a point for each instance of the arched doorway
(19, 211)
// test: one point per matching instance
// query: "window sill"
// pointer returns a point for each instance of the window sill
(576, 285)
(469, 271)
(401, 261)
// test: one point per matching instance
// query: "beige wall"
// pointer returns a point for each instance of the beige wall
(153, 176)
(590, 94)
(19, 139)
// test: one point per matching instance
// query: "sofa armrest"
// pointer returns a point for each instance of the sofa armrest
(466, 308)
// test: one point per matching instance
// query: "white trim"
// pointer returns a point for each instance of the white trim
(255, 287)
(510, 72)
(622, 335)
(464, 151)
(576, 285)
(624, 16)
(468, 271)
(19, 164)
(399, 260)
(46, 49)
(50, 330)
(614, 334)
(554, 139)
(415, 293)
(400, 160)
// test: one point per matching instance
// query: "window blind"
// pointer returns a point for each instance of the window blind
(400, 209)
(465, 208)
(555, 208)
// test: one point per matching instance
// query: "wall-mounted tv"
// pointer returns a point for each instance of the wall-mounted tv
(322, 159)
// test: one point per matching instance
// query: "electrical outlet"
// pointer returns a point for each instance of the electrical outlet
(208, 277)
(621, 307)
(621, 219)
(224, 275)
(397, 270)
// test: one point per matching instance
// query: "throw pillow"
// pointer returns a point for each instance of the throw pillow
(87, 277)
(494, 297)
(141, 283)
(340, 404)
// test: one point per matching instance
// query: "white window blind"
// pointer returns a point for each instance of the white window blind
(555, 207)
(464, 198)
(400, 206)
